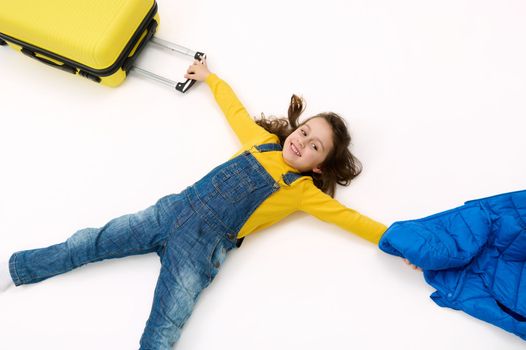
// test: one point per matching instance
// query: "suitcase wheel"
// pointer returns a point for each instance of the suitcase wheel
(90, 76)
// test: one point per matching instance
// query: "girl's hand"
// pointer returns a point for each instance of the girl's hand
(198, 70)
(414, 267)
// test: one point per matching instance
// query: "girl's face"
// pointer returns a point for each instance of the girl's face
(308, 146)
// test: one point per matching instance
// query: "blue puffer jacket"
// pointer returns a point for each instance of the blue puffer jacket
(473, 255)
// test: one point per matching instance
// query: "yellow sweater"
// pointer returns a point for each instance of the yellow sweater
(302, 194)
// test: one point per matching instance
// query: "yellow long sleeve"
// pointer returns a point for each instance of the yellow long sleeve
(328, 209)
(236, 114)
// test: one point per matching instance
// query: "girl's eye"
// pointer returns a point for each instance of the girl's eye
(315, 147)
(303, 132)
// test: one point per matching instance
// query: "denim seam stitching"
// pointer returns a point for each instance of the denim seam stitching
(12, 267)
(206, 210)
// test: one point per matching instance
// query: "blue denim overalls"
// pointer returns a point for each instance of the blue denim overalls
(191, 231)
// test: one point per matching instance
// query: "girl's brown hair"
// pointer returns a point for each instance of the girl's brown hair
(340, 166)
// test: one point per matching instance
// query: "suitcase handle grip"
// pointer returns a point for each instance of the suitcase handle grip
(62, 66)
(179, 86)
(183, 87)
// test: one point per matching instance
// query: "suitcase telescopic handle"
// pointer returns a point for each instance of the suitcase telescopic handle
(61, 66)
(179, 86)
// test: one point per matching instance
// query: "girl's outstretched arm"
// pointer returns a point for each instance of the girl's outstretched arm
(237, 116)
(326, 208)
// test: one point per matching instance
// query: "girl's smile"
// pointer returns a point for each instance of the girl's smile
(307, 147)
(295, 149)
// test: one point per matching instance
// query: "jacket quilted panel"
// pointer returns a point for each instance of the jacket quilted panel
(473, 255)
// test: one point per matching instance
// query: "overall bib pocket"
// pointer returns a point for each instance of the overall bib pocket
(233, 184)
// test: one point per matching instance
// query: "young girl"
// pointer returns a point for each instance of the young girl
(282, 167)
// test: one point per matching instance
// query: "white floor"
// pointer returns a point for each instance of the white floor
(433, 91)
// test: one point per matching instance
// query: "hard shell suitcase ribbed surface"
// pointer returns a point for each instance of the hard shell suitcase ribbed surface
(97, 39)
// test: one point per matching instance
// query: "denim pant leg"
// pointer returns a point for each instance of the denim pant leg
(190, 262)
(172, 305)
(132, 234)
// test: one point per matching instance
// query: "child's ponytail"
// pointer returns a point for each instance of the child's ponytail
(283, 127)
(296, 107)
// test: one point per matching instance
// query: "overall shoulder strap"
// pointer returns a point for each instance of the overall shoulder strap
(269, 147)
(290, 177)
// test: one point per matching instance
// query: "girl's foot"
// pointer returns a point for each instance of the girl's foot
(5, 277)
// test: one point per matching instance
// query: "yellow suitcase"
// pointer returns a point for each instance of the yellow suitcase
(96, 39)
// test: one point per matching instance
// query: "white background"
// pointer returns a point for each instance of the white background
(434, 93)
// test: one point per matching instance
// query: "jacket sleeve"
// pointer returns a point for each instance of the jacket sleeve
(440, 241)
(237, 116)
(328, 209)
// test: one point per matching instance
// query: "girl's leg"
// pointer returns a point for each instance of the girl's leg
(184, 274)
(138, 233)
(189, 263)
(172, 305)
